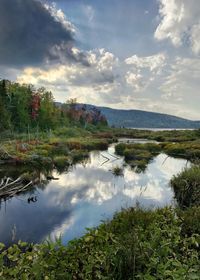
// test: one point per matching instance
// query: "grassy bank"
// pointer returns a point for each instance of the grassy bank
(160, 136)
(189, 150)
(21, 146)
(66, 145)
(136, 244)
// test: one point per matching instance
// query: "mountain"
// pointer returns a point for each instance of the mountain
(143, 119)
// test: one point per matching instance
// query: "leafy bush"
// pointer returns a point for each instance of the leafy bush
(186, 186)
(190, 221)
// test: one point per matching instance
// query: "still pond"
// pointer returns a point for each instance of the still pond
(84, 195)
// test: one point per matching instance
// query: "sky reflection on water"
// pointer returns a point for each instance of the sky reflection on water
(86, 195)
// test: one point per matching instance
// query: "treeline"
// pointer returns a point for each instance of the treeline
(23, 107)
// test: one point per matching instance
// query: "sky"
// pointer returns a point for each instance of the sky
(127, 54)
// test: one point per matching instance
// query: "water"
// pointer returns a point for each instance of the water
(84, 196)
(161, 129)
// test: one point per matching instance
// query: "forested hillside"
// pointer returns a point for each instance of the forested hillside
(23, 107)
(144, 119)
(140, 119)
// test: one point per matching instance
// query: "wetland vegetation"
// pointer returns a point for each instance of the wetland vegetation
(69, 167)
(136, 243)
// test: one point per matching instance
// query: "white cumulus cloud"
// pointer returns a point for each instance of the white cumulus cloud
(144, 70)
(153, 62)
(180, 22)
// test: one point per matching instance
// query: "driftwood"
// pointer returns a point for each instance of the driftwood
(109, 159)
(112, 155)
(10, 187)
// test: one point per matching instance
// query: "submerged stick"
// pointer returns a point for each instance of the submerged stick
(105, 157)
(12, 192)
(3, 186)
(112, 155)
(165, 160)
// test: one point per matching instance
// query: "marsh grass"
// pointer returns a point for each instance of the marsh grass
(160, 136)
(118, 171)
(138, 155)
(187, 150)
(61, 163)
(43, 151)
(142, 154)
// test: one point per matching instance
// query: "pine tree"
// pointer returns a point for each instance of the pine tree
(4, 112)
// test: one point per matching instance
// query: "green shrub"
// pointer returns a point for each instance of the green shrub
(186, 186)
(190, 221)
(120, 148)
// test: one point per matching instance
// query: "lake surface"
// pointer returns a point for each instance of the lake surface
(160, 129)
(85, 195)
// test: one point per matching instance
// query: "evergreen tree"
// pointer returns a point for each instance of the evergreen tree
(4, 112)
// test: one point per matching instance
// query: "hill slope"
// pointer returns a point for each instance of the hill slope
(144, 119)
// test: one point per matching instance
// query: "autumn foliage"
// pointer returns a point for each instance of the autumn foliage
(23, 107)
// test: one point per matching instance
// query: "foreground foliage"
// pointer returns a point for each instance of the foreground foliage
(136, 244)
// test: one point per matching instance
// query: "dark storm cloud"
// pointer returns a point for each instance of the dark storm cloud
(29, 34)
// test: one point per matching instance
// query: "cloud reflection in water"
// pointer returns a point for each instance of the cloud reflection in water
(86, 195)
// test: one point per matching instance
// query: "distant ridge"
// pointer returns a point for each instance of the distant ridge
(143, 119)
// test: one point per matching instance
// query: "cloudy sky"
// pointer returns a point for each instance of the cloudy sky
(142, 54)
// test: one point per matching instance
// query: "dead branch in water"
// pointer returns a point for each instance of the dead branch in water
(107, 159)
(112, 155)
(10, 187)
(5, 182)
